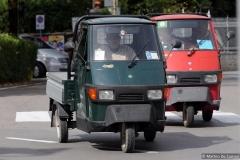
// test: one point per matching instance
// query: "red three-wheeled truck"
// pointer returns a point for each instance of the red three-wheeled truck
(193, 71)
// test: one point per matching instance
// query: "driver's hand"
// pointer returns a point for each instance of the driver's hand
(194, 48)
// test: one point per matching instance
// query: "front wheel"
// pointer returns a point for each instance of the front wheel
(150, 133)
(207, 115)
(188, 115)
(62, 129)
(127, 137)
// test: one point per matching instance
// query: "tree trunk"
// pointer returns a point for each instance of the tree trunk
(13, 17)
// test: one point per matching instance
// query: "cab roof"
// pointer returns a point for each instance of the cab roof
(118, 20)
(179, 16)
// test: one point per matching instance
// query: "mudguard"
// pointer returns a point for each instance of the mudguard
(61, 112)
(129, 113)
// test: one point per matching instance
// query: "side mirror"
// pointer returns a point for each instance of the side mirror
(69, 46)
(176, 43)
(230, 35)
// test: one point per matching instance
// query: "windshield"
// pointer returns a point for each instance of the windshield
(42, 45)
(192, 33)
(124, 42)
(39, 42)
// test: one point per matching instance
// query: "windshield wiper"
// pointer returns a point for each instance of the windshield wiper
(133, 61)
(193, 49)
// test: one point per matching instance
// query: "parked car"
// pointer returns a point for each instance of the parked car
(49, 59)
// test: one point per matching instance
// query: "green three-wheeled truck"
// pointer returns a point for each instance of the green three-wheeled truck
(107, 92)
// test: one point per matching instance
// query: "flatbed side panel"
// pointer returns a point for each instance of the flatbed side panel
(55, 86)
(59, 77)
(55, 90)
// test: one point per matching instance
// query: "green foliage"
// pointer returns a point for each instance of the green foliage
(3, 16)
(17, 59)
(163, 6)
(105, 11)
(176, 6)
(58, 14)
(223, 8)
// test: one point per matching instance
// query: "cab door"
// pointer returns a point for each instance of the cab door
(79, 66)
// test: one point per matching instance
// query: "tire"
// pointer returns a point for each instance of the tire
(207, 115)
(62, 129)
(127, 137)
(150, 133)
(188, 115)
(39, 71)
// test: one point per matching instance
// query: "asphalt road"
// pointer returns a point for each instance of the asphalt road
(26, 133)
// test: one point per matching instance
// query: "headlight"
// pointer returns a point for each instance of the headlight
(51, 59)
(63, 60)
(210, 78)
(171, 79)
(154, 94)
(106, 94)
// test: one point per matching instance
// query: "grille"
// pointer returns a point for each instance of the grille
(130, 97)
(190, 80)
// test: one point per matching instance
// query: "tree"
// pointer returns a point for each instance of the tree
(3, 16)
(12, 17)
(222, 8)
(216, 7)
(59, 13)
(105, 11)
(163, 6)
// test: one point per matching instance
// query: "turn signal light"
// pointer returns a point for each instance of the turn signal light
(165, 94)
(92, 93)
(220, 77)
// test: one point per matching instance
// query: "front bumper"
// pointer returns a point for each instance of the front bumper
(191, 94)
(120, 113)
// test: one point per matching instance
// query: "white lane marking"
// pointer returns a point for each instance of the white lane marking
(35, 116)
(32, 140)
(115, 148)
(173, 117)
(151, 152)
(224, 117)
(43, 116)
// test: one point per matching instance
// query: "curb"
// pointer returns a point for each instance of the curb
(32, 81)
(14, 84)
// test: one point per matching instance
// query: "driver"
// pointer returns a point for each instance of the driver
(114, 50)
(199, 33)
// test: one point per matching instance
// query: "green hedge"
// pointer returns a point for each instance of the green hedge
(17, 59)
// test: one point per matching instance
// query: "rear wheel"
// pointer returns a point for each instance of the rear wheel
(150, 133)
(188, 115)
(38, 71)
(207, 115)
(62, 128)
(127, 137)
